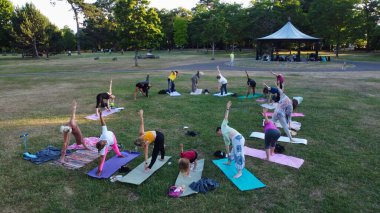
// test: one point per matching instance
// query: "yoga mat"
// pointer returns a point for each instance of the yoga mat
(90, 141)
(269, 106)
(174, 94)
(294, 114)
(105, 113)
(139, 175)
(194, 176)
(79, 158)
(197, 92)
(299, 99)
(224, 94)
(257, 95)
(261, 100)
(293, 125)
(276, 158)
(281, 139)
(245, 182)
(113, 164)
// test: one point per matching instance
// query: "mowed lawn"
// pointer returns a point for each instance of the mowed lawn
(340, 173)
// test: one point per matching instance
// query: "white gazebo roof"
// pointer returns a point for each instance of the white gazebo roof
(288, 32)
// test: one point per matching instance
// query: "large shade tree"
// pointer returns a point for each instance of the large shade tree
(6, 13)
(138, 25)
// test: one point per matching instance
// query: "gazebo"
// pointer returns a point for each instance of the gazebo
(288, 33)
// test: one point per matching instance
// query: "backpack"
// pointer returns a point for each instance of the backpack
(219, 154)
(279, 148)
(175, 191)
(162, 91)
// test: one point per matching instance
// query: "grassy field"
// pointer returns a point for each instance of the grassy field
(340, 173)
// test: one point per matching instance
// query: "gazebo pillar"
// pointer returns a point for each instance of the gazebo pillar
(316, 49)
(257, 50)
(299, 52)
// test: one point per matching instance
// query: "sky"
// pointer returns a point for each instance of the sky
(61, 15)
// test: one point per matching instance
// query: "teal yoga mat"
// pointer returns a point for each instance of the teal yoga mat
(257, 95)
(245, 182)
(139, 175)
(194, 176)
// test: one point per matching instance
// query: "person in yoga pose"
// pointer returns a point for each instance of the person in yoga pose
(280, 79)
(283, 111)
(171, 78)
(107, 139)
(187, 157)
(148, 137)
(222, 82)
(232, 138)
(73, 128)
(104, 96)
(272, 93)
(251, 85)
(272, 134)
(143, 87)
(194, 81)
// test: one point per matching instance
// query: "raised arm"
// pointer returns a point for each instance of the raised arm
(247, 74)
(268, 87)
(141, 130)
(265, 110)
(110, 89)
(102, 122)
(73, 110)
(229, 103)
(217, 67)
(275, 74)
(181, 145)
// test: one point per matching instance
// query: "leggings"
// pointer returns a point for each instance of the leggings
(171, 85)
(283, 121)
(223, 88)
(237, 152)
(114, 147)
(157, 148)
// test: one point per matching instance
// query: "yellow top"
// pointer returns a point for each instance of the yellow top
(149, 136)
(172, 76)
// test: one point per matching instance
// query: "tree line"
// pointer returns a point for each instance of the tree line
(133, 25)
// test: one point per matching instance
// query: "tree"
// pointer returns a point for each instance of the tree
(54, 41)
(180, 31)
(335, 23)
(138, 25)
(6, 13)
(369, 16)
(68, 38)
(30, 25)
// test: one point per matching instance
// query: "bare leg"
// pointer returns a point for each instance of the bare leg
(267, 151)
(238, 174)
(135, 93)
(74, 126)
(272, 151)
(66, 139)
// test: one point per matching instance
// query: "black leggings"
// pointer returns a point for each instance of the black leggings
(157, 148)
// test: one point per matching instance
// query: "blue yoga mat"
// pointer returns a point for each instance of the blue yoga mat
(257, 95)
(113, 164)
(245, 182)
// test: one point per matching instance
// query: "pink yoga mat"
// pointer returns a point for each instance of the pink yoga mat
(105, 113)
(276, 158)
(90, 141)
(261, 100)
(294, 114)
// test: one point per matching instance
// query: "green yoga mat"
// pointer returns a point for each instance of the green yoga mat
(139, 175)
(257, 95)
(194, 176)
(246, 182)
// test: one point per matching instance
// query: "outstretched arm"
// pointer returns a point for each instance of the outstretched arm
(141, 130)
(110, 89)
(265, 110)
(229, 103)
(73, 110)
(217, 67)
(181, 147)
(247, 74)
(275, 74)
(102, 122)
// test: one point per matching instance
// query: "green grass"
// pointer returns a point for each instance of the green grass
(340, 172)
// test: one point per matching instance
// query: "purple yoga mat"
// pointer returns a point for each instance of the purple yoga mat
(113, 164)
(294, 114)
(261, 100)
(276, 158)
(104, 113)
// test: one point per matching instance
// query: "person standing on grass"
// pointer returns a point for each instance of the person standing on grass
(194, 81)
(232, 138)
(222, 82)
(149, 137)
(280, 79)
(107, 139)
(272, 134)
(171, 78)
(232, 59)
(187, 158)
(73, 128)
(143, 87)
(283, 111)
(104, 96)
(251, 85)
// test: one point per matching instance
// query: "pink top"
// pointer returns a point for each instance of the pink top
(280, 78)
(269, 125)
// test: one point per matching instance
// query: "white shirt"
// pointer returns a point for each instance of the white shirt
(107, 136)
(222, 80)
